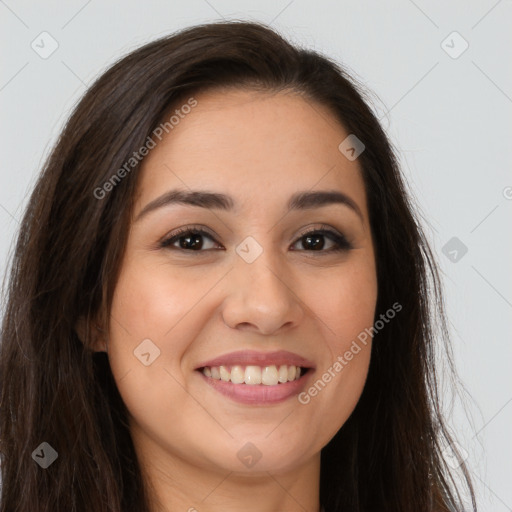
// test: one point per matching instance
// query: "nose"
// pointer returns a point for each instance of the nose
(261, 297)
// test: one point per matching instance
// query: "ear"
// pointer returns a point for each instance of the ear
(89, 330)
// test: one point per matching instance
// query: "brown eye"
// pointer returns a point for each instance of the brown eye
(314, 240)
(188, 240)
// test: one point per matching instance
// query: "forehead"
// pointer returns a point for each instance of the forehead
(257, 147)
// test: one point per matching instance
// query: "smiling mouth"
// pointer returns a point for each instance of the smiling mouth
(253, 375)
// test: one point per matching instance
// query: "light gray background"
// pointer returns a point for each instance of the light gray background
(450, 118)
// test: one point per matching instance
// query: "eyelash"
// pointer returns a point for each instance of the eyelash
(342, 244)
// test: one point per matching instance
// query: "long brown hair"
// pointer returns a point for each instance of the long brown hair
(55, 389)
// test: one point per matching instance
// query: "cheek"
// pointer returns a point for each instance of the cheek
(152, 300)
(150, 331)
(344, 302)
(157, 312)
(146, 311)
(345, 306)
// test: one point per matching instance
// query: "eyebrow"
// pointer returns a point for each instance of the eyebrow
(305, 200)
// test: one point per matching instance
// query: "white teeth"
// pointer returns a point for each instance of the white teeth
(254, 375)
(224, 373)
(269, 376)
(283, 373)
(237, 374)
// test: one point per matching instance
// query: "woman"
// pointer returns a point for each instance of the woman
(219, 297)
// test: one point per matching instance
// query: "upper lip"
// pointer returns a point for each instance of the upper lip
(253, 357)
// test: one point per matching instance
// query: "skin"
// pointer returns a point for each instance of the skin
(259, 148)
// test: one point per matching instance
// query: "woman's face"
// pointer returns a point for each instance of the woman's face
(255, 292)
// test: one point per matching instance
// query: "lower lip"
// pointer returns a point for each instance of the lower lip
(258, 394)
